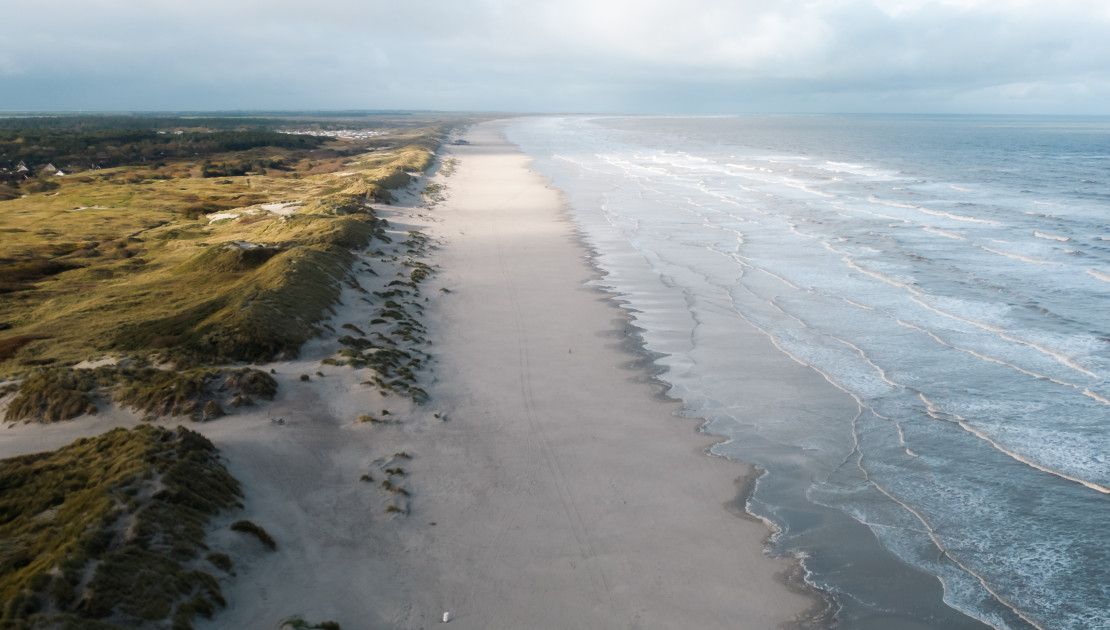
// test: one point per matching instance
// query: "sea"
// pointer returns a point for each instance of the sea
(947, 276)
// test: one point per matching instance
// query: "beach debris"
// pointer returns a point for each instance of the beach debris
(446, 616)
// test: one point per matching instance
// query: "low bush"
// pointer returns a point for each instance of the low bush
(111, 527)
(247, 527)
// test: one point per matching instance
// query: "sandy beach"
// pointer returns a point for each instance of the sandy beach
(565, 493)
(548, 484)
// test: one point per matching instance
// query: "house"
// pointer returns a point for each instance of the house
(49, 169)
(22, 168)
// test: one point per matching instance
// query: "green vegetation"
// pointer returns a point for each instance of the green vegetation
(199, 393)
(226, 242)
(83, 142)
(221, 561)
(449, 166)
(169, 250)
(247, 527)
(434, 193)
(108, 532)
(298, 623)
(54, 394)
(396, 320)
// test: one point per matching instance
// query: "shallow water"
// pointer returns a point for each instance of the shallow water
(951, 275)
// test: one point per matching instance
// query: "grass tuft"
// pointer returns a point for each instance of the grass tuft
(51, 395)
(111, 527)
(248, 527)
(298, 623)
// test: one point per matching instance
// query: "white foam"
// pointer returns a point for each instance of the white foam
(1013, 256)
(1051, 237)
(944, 233)
(1099, 275)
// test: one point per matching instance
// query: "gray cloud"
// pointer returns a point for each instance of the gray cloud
(573, 55)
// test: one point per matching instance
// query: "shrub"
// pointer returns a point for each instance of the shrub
(247, 527)
(298, 623)
(55, 394)
(221, 561)
(127, 515)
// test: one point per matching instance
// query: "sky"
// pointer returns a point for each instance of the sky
(632, 56)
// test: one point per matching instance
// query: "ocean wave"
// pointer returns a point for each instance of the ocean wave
(864, 170)
(944, 233)
(1013, 256)
(1006, 353)
(1051, 237)
(934, 412)
(955, 217)
(990, 359)
(1099, 275)
(1002, 333)
(965, 218)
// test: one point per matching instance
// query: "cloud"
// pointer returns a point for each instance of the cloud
(584, 55)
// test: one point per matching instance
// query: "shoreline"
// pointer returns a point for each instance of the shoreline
(717, 573)
(769, 383)
(824, 606)
(600, 511)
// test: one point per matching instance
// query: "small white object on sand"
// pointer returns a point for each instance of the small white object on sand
(446, 616)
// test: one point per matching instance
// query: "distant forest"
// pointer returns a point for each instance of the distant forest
(84, 142)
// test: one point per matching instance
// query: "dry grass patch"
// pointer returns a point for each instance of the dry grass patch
(108, 532)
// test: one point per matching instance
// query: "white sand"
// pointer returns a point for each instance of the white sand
(559, 494)
(220, 216)
(564, 494)
(283, 209)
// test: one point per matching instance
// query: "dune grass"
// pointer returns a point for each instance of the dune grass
(109, 532)
(128, 261)
(55, 394)
(257, 531)
(298, 623)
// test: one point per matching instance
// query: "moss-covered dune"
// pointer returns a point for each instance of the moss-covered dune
(109, 532)
(132, 261)
(205, 393)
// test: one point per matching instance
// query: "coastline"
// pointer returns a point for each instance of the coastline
(602, 509)
(552, 481)
(824, 607)
(772, 385)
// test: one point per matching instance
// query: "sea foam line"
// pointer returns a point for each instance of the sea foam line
(1028, 259)
(944, 233)
(1099, 275)
(934, 412)
(1001, 332)
(931, 533)
(1051, 237)
(861, 405)
(936, 213)
(917, 294)
(984, 357)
